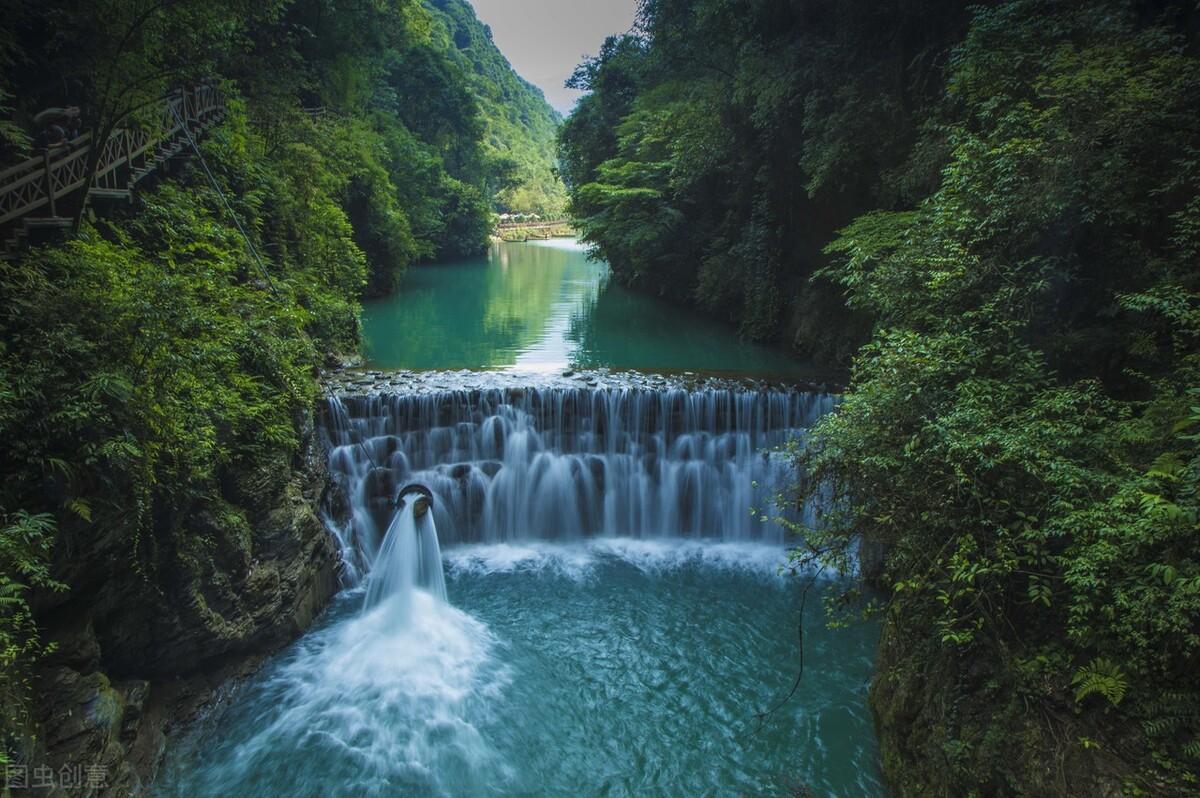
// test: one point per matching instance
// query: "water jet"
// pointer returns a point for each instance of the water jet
(422, 502)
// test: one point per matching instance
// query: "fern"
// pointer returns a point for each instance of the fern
(11, 593)
(1174, 718)
(1167, 466)
(8, 586)
(1101, 676)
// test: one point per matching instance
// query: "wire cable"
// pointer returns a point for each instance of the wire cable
(216, 187)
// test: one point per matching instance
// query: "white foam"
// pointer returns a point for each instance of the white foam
(571, 561)
(412, 683)
(660, 555)
(580, 560)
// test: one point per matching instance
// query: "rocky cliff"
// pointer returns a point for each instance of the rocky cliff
(952, 724)
(141, 645)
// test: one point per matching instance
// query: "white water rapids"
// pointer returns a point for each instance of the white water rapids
(564, 463)
(618, 617)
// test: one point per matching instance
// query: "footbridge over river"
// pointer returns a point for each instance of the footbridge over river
(45, 193)
(534, 230)
(538, 225)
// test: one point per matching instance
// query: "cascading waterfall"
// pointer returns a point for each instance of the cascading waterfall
(564, 463)
(618, 619)
(409, 559)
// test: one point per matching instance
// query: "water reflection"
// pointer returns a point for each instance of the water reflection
(542, 306)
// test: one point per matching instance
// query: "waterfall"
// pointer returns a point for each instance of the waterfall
(563, 463)
(410, 558)
(653, 499)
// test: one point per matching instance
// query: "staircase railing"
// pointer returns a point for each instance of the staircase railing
(129, 154)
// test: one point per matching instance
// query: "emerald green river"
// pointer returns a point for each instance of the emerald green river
(627, 668)
(544, 305)
(587, 594)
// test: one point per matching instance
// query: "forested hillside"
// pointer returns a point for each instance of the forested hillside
(520, 127)
(721, 148)
(1002, 203)
(156, 369)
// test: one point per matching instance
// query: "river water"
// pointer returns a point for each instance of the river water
(541, 306)
(598, 602)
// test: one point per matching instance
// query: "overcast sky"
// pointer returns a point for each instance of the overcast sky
(545, 39)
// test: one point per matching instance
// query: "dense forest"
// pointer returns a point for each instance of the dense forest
(157, 369)
(987, 215)
(994, 210)
(520, 128)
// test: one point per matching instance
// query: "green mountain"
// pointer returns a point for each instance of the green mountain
(519, 125)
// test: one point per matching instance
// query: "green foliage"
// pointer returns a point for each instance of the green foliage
(152, 367)
(147, 363)
(182, 365)
(1172, 717)
(402, 126)
(25, 542)
(1021, 431)
(723, 144)
(519, 127)
(1100, 676)
(14, 142)
(422, 119)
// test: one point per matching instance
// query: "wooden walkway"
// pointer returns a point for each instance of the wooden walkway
(38, 193)
(533, 225)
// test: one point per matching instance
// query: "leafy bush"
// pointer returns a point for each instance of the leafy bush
(1022, 431)
(154, 360)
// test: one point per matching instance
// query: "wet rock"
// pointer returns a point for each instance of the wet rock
(74, 644)
(872, 559)
(135, 693)
(516, 383)
(346, 361)
(242, 578)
